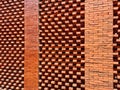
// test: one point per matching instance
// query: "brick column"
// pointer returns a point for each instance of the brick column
(98, 45)
(31, 45)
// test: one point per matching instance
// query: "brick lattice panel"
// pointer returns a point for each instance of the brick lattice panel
(61, 45)
(116, 44)
(11, 44)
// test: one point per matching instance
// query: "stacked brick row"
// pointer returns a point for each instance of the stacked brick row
(11, 44)
(61, 43)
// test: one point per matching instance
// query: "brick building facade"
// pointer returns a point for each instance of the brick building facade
(59, 45)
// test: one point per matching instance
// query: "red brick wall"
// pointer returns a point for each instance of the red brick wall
(59, 44)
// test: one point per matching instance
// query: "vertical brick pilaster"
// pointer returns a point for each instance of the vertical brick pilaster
(98, 45)
(31, 45)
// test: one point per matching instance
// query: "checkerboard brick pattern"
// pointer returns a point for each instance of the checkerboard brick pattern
(61, 38)
(11, 44)
(59, 45)
(116, 44)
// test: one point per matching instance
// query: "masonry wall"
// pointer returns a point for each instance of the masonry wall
(59, 44)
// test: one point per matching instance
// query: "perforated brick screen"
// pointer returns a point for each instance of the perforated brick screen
(61, 45)
(116, 44)
(11, 44)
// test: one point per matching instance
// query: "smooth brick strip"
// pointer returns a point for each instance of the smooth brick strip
(31, 45)
(98, 45)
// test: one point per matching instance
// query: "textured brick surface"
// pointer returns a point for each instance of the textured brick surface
(98, 45)
(61, 38)
(11, 44)
(31, 45)
(116, 44)
(69, 44)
